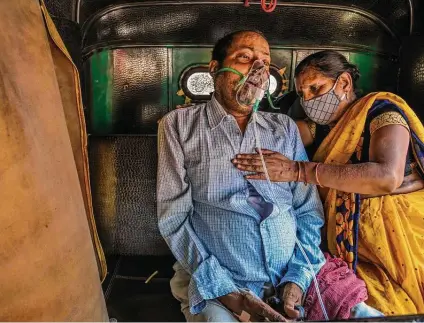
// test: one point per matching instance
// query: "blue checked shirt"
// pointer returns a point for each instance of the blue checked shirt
(206, 212)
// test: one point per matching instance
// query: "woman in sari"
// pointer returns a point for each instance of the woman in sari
(368, 163)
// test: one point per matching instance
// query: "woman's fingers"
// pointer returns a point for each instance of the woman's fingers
(278, 167)
(250, 168)
(246, 161)
(266, 151)
(248, 156)
(256, 176)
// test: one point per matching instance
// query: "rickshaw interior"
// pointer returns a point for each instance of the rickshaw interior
(139, 59)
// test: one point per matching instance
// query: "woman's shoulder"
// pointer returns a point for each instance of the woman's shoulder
(384, 113)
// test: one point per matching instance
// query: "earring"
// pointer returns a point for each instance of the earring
(347, 98)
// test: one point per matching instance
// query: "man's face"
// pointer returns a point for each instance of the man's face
(244, 50)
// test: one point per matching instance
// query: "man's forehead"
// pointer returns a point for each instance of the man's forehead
(250, 40)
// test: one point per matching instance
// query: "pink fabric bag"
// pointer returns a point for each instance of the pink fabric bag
(340, 290)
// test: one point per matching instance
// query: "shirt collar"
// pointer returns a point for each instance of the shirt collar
(216, 114)
(261, 121)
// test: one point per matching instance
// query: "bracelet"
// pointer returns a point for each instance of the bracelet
(298, 171)
(316, 175)
(304, 169)
(302, 163)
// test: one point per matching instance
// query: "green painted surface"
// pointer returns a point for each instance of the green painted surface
(181, 59)
(368, 67)
(101, 78)
(376, 74)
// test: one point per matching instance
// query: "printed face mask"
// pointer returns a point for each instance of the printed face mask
(321, 109)
(253, 85)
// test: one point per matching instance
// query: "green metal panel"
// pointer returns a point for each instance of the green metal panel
(181, 59)
(377, 74)
(368, 66)
(101, 80)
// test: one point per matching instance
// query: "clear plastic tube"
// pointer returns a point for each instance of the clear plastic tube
(274, 200)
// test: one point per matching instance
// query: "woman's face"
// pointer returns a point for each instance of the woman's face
(311, 84)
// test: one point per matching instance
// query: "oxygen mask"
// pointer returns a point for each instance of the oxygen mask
(252, 87)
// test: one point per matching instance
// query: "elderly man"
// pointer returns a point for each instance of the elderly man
(234, 239)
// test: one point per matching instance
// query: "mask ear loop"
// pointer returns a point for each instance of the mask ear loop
(344, 97)
(335, 83)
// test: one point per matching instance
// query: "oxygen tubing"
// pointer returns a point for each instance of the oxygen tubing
(274, 200)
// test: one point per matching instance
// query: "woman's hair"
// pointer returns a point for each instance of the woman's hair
(330, 63)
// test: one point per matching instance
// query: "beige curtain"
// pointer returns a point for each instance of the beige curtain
(48, 249)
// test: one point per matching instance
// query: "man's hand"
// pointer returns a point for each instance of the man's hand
(291, 295)
(244, 301)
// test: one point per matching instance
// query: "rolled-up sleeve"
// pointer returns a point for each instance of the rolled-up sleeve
(309, 215)
(209, 279)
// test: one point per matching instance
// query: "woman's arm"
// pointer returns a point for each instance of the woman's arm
(382, 175)
(305, 132)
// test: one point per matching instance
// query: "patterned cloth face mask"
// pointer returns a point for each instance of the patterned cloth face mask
(321, 109)
(253, 85)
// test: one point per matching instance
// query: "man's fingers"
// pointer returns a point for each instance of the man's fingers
(290, 311)
(258, 308)
(271, 314)
(257, 318)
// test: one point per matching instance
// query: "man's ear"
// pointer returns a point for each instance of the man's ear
(213, 67)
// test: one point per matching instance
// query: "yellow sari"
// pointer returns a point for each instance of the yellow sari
(388, 237)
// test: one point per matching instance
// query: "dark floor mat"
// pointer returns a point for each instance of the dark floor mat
(129, 298)
(133, 300)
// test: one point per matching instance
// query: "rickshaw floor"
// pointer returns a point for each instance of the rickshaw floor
(130, 299)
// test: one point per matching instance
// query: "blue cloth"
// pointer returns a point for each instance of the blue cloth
(363, 310)
(204, 213)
